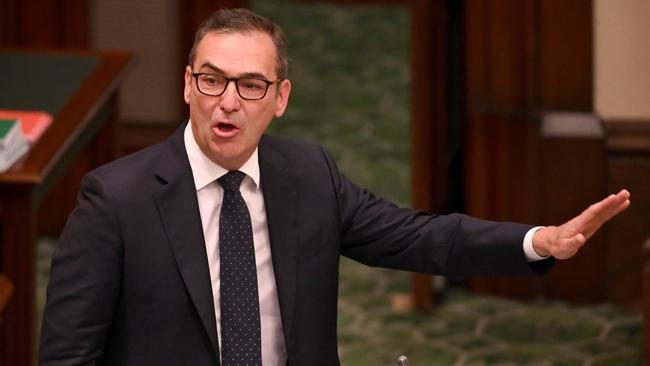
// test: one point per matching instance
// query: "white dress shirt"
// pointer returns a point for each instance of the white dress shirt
(210, 195)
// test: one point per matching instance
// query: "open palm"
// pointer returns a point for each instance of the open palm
(564, 241)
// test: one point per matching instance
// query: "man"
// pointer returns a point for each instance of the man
(222, 244)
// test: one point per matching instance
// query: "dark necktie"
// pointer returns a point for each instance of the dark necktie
(240, 311)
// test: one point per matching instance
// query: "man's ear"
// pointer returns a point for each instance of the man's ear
(188, 84)
(282, 96)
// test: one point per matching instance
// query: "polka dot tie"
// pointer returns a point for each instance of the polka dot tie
(240, 312)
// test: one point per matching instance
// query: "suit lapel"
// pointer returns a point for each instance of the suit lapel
(279, 186)
(178, 207)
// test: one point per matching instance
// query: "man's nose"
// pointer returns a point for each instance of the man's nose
(229, 100)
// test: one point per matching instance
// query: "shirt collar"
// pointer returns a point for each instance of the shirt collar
(205, 171)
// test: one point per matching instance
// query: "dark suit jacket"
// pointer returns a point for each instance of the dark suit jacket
(129, 283)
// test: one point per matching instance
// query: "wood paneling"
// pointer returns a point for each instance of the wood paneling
(194, 12)
(625, 234)
(428, 114)
(133, 135)
(43, 23)
(6, 288)
(57, 205)
(9, 20)
(628, 137)
(523, 59)
(49, 24)
(646, 300)
(24, 186)
(501, 144)
(628, 166)
(565, 55)
(360, 2)
(577, 178)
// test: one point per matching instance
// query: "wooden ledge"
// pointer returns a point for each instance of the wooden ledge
(628, 136)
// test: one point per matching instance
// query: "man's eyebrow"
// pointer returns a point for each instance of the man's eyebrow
(250, 75)
(253, 75)
(213, 68)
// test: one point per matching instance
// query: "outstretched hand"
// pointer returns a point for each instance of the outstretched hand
(564, 241)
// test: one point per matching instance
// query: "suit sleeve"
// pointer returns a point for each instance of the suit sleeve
(376, 232)
(84, 282)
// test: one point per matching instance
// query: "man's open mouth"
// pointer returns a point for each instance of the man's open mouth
(226, 127)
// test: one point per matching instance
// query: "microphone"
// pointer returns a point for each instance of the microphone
(402, 361)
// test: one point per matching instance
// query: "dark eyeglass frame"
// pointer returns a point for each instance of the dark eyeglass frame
(268, 83)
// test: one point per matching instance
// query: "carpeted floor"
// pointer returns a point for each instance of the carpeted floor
(467, 329)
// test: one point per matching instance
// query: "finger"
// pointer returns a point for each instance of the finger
(620, 208)
(622, 193)
(606, 209)
(598, 213)
(614, 204)
(590, 228)
(608, 206)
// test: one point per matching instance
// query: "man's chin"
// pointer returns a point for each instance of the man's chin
(229, 158)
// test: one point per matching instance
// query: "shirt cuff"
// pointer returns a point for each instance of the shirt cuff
(531, 255)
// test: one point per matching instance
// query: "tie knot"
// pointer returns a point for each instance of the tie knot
(231, 180)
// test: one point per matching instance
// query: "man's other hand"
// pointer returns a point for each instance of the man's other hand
(564, 241)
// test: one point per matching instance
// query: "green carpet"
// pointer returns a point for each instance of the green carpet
(468, 329)
(350, 74)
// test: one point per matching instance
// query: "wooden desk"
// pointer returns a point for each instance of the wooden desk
(75, 87)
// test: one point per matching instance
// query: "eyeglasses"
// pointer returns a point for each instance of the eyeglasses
(248, 88)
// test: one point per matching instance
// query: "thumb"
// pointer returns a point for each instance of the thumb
(570, 246)
(579, 240)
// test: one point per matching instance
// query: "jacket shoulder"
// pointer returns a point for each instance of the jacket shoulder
(288, 145)
(142, 162)
(299, 153)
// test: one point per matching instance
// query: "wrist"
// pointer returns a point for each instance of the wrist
(541, 242)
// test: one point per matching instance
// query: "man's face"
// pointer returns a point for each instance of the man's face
(228, 128)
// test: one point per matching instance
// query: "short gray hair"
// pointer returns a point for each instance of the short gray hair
(242, 21)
